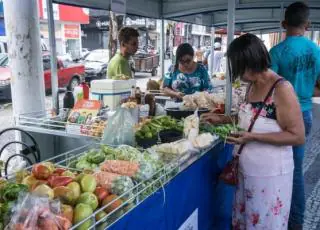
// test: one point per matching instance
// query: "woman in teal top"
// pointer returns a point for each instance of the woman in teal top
(187, 77)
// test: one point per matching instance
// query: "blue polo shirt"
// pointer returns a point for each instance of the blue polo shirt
(297, 59)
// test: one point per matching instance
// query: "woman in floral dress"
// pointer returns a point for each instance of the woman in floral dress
(187, 76)
(263, 195)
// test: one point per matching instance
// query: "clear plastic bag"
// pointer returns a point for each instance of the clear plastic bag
(120, 129)
(40, 213)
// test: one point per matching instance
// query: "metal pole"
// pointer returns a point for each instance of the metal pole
(53, 58)
(23, 35)
(212, 51)
(187, 33)
(230, 28)
(280, 23)
(147, 34)
(162, 48)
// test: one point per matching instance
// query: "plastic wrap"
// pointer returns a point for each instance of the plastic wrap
(139, 171)
(120, 129)
(38, 213)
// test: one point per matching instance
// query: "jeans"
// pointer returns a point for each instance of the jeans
(298, 195)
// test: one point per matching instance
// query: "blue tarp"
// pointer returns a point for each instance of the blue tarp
(196, 188)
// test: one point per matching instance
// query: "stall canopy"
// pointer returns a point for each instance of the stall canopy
(250, 16)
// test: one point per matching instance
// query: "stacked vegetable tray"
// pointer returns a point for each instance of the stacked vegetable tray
(90, 187)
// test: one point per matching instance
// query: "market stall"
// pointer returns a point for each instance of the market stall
(177, 188)
(166, 188)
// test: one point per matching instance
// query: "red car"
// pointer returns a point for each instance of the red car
(68, 74)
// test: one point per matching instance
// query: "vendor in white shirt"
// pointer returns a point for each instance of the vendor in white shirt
(217, 60)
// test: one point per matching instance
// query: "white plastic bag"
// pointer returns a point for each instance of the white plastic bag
(191, 126)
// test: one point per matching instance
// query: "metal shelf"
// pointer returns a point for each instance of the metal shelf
(46, 123)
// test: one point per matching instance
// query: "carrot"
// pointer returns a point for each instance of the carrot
(105, 179)
(121, 167)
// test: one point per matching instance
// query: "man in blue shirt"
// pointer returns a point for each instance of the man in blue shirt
(297, 59)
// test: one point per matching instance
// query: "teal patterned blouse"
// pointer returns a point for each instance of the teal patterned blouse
(197, 81)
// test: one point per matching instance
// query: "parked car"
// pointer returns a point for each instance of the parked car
(4, 45)
(69, 74)
(84, 53)
(96, 64)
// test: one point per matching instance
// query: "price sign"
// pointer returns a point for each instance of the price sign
(191, 223)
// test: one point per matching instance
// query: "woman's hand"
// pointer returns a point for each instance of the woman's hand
(179, 95)
(240, 138)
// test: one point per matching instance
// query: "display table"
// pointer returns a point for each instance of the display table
(194, 196)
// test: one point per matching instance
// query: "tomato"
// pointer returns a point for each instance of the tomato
(101, 193)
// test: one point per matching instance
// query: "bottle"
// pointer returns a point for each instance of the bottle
(138, 95)
(133, 93)
(68, 99)
(85, 88)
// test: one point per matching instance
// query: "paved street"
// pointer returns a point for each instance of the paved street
(311, 163)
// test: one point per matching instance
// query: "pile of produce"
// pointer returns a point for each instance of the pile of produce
(197, 100)
(33, 212)
(95, 128)
(150, 128)
(223, 131)
(80, 194)
(9, 193)
(90, 160)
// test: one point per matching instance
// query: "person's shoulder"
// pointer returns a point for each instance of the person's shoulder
(201, 67)
(277, 47)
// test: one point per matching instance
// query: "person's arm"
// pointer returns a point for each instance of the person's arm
(274, 60)
(171, 93)
(167, 87)
(289, 117)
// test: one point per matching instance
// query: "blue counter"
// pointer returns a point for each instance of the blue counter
(193, 198)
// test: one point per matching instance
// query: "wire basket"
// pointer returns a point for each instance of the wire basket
(48, 123)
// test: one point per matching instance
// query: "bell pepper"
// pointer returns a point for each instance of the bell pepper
(59, 171)
(56, 181)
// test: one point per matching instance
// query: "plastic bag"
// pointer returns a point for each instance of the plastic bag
(17, 163)
(191, 126)
(120, 129)
(33, 212)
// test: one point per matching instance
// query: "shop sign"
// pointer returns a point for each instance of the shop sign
(102, 24)
(140, 22)
(55, 10)
(191, 223)
(119, 6)
(71, 31)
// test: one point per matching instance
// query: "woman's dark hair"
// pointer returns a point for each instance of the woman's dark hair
(247, 52)
(182, 50)
(297, 14)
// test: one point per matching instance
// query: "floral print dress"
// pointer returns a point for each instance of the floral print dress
(191, 83)
(263, 195)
